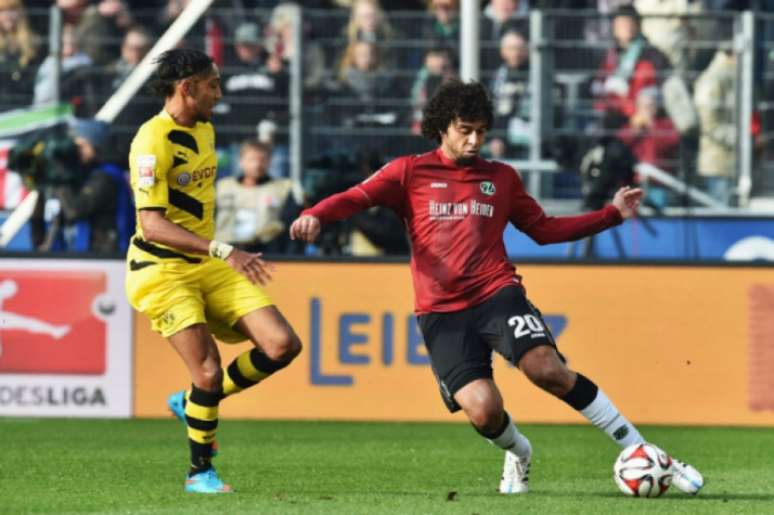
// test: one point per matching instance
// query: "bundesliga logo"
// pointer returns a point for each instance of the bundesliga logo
(61, 332)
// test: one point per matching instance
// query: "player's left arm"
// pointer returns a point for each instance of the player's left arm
(627, 201)
(529, 217)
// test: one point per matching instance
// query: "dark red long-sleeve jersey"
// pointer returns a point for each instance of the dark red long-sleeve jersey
(455, 217)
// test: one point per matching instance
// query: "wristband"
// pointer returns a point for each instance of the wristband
(220, 250)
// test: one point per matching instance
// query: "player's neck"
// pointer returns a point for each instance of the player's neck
(450, 156)
(447, 154)
(175, 108)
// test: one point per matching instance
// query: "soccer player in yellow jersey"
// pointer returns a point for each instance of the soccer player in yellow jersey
(190, 286)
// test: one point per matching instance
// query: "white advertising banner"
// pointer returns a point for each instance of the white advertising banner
(65, 339)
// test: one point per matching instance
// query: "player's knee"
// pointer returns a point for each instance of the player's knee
(485, 415)
(284, 347)
(543, 367)
(209, 377)
(551, 377)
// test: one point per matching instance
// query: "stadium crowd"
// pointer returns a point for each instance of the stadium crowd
(636, 90)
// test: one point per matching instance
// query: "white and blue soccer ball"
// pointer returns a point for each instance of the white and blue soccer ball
(643, 470)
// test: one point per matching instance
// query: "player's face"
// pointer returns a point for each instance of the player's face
(205, 93)
(463, 139)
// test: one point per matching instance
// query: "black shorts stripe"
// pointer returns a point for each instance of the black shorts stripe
(161, 252)
(201, 425)
(139, 265)
(186, 202)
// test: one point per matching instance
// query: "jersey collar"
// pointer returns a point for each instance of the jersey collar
(448, 162)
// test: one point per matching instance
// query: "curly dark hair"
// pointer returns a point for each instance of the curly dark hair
(454, 99)
(175, 65)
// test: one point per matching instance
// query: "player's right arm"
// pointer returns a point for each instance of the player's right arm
(150, 161)
(156, 228)
(384, 188)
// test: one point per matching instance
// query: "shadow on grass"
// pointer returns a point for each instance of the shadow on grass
(670, 496)
(735, 497)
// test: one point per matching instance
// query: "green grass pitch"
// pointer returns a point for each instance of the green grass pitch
(138, 466)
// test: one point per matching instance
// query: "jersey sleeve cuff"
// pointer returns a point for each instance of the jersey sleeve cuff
(613, 215)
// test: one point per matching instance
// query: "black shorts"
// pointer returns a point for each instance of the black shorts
(460, 343)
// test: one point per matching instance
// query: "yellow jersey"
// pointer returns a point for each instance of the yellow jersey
(174, 168)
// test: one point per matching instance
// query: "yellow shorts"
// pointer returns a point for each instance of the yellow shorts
(175, 295)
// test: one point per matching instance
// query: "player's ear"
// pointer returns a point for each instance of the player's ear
(186, 86)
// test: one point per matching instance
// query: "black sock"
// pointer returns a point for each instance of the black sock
(202, 420)
(582, 393)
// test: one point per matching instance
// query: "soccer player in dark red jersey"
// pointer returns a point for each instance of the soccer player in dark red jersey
(469, 300)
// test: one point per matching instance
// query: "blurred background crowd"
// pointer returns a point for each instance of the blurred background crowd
(674, 95)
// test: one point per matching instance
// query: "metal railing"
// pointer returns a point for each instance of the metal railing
(322, 114)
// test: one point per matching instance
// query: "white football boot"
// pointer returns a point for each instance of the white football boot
(686, 478)
(515, 474)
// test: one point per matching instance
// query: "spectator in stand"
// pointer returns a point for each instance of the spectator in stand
(392, 5)
(368, 22)
(19, 56)
(442, 28)
(136, 44)
(253, 89)
(362, 72)
(72, 11)
(500, 15)
(253, 210)
(169, 13)
(715, 99)
(497, 18)
(438, 68)
(670, 25)
(363, 83)
(101, 29)
(510, 96)
(652, 138)
(627, 69)
(596, 29)
(248, 46)
(279, 45)
(77, 85)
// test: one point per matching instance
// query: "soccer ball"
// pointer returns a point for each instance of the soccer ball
(643, 470)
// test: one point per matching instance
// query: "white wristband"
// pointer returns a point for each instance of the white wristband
(220, 250)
